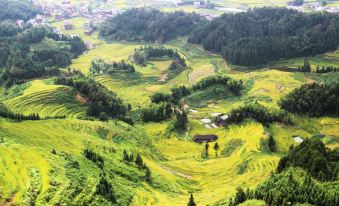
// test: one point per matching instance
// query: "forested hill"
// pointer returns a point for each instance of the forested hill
(264, 34)
(150, 25)
(15, 9)
(34, 51)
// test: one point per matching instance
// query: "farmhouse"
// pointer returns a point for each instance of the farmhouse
(205, 137)
(88, 31)
(68, 25)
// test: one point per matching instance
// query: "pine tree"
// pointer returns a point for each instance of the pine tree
(271, 144)
(131, 158)
(206, 149)
(181, 120)
(148, 175)
(240, 196)
(126, 156)
(216, 148)
(139, 161)
(191, 201)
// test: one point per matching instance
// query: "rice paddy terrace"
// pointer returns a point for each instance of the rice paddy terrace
(42, 161)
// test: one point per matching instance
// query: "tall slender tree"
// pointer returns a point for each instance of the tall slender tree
(206, 149)
(216, 148)
(191, 201)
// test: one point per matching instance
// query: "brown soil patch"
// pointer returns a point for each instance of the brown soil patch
(280, 87)
(309, 80)
(81, 99)
(163, 78)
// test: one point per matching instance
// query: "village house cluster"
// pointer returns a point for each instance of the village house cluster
(315, 7)
(65, 11)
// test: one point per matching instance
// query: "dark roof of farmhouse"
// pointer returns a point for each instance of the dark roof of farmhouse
(205, 137)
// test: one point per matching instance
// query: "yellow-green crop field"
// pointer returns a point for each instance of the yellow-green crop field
(29, 172)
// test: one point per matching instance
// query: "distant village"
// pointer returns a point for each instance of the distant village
(65, 11)
(314, 6)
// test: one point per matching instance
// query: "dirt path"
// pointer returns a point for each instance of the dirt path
(169, 170)
(280, 87)
(309, 80)
(163, 78)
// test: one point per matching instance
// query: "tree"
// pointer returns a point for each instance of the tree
(126, 156)
(191, 201)
(148, 175)
(206, 149)
(103, 117)
(271, 144)
(240, 196)
(216, 148)
(139, 162)
(267, 34)
(181, 120)
(105, 189)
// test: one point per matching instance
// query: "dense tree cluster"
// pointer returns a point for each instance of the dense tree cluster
(4, 112)
(34, 51)
(15, 9)
(233, 85)
(99, 66)
(313, 99)
(142, 55)
(160, 97)
(105, 189)
(258, 113)
(157, 112)
(140, 163)
(181, 91)
(284, 189)
(100, 98)
(306, 67)
(327, 69)
(140, 24)
(94, 157)
(313, 156)
(261, 35)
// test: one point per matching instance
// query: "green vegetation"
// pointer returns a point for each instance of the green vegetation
(289, 187)
(153, 53)
(312, 156)
(266, 34)
(149, 25)
(15, 10)
(258, 113)
(99, 66)
(36, 51)
(128, 119)
(100, 99)
(157, 112)
(313, 99)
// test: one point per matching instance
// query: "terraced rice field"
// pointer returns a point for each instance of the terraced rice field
(46, 100)
(248, 165)
(109, 52)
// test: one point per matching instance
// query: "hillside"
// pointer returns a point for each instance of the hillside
(119, 123)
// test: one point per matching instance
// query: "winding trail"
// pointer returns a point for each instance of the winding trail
(169, 170)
